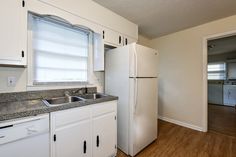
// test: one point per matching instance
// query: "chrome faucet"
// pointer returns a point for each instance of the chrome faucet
(67, 95)
(81, 91)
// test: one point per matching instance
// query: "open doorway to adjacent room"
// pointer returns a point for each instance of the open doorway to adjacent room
(221, 73)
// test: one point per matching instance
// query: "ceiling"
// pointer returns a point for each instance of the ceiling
(160, 17)
(222, 45)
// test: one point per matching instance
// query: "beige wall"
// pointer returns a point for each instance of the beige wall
(222, 57)
(96, 80)
(18, 73)
(144, 41)
(181, 71)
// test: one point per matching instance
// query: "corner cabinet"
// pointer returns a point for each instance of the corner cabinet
(13, 32)
(88, 131)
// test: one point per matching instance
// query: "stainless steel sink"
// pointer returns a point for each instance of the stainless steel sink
(93, 96)
(61, 100)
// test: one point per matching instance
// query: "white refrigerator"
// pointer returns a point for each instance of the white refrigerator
(131, 73)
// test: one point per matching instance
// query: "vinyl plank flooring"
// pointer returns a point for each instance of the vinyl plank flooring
(177, 141)
(222, 119)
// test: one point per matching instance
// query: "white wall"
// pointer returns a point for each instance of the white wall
(181, 72)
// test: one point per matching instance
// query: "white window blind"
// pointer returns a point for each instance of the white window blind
(60, 52)
(216, 71)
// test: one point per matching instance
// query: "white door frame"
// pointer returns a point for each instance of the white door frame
(205, 62)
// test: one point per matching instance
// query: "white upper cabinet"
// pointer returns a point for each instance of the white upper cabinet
(13, 33)
(128, 40)
(98, 14)
(98, 52)
(112, 38)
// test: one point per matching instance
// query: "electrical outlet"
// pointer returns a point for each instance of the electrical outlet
(11, 81)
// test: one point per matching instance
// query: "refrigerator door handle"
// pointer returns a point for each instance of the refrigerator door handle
(135, 94)
(135, 61)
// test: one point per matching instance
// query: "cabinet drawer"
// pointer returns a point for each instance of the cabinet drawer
(103, 108)
(71, 116)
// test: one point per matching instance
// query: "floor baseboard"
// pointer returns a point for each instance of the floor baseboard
(194, 127)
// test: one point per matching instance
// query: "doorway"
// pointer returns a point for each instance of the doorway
(221, 84)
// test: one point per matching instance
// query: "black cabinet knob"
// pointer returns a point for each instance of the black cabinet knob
(119, 39)
(85, 147)
(97, 141)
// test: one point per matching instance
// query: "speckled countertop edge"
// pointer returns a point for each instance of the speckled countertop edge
(48, 109)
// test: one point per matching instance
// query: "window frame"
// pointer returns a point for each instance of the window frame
(218, 71)
(31, 84)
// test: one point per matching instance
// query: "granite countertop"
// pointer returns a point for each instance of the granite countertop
(20, 109)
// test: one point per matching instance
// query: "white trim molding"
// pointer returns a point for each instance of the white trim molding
(205, 62)
(184, 124)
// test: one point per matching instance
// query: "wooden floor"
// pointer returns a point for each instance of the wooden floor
(222, 119)
(177, 141)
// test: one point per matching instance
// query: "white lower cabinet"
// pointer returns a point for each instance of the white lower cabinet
(104, 135)
(74, 140)
(89, 131)
(230, 95)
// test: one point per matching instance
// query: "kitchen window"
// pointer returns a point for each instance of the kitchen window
(60, 51)
(217, 71)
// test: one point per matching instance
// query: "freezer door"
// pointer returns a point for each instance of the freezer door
(143, 117)
(143, 61)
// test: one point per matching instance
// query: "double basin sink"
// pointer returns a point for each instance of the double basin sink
(70, 99)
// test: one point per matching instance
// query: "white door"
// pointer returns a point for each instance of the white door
(144, 114)
(74, 140)
(12, 26)
(143, 61)
(104, 135)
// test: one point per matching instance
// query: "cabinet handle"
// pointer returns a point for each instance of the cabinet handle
(8, 126)
(22, 54)
(103, 34)
(85, 147)
(54, 137)
(97, 141)
(2, 136)
(23, 3)
(119, 39)
(126, 41)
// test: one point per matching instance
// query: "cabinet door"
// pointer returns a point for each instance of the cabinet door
(128, 40)
(104, 135)
(215, 94)
(98, 52)
(73, 140)
(13, 26)
(232, 95)
(231, 70)
(112, 38)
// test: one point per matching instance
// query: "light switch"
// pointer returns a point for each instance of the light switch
(11, 81)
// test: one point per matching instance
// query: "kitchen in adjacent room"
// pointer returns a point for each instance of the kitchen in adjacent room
(222, 85)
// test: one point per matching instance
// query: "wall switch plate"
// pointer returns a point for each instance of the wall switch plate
(11, 81)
